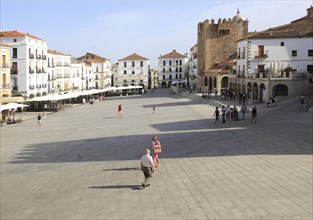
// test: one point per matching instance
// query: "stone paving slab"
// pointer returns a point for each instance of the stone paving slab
(233, 171)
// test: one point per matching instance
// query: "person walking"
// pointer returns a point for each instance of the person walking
(156, 147)
(39, 120)
(153, 109)
(243, 111)
(253, 115)
(119, 111)
(223, 114)
(217, 114)
(147, 167)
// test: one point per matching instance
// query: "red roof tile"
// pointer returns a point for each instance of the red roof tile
(9, 34)
(173, 54)
(134, 56)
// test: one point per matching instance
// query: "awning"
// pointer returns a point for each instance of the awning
(11, 105)
(12, 99)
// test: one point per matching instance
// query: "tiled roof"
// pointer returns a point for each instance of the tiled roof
(9, 34)
(134, 56)
(5, 45)
(57, 53)
(93, 58)
(173, 54)
(223, 66)
(278, 34)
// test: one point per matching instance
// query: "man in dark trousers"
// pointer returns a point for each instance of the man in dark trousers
(253, 115)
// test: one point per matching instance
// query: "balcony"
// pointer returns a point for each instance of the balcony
(31, 87)
(38, 86)
(44, 85)
(43, 70)
(31, 56)
(44, 57)
(38, 70)
(38, 56)
(31, 70)
(59, 64)
(14, 71)
(67, 76)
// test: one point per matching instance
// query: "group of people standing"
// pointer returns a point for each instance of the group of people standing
(231, 113)
(148, 163)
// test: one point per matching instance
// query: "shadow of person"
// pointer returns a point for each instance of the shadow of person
(133, 187)
(123, 169)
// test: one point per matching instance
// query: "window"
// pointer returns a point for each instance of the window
(176, 70)
(164, 63)
(14, 40)
(133, 72)
(125, 72)
(294, 53)
(180, 62)
(244, 53)
(125, 64)
(238, 70)
(260, 51)
(170, 70)
(14, 53)
(179, 76)
(4, 61)
(176, 76)
(180, 69)
(163, 70)
(97, 70)
(310, 68)
(282, 44)
(133, 64)
(141, 63)
(310, 53)
(170, 76)
(170, 63)
(164, 77)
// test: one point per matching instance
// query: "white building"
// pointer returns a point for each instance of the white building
(76, 74)
(28, 63)
(193, 66)
(276, 62)
(59, 71)
(173, 67)
(102, 70)
(133, 70)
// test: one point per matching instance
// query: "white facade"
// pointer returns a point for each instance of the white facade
(29, 60)
(193, 66)
(76, 74)
(59, 71)
(173, 67)
(274, 56)
(133, 70)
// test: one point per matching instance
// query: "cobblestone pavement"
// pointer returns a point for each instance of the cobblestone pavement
(83, 163)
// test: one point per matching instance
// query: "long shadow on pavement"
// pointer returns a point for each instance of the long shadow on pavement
(178, 142)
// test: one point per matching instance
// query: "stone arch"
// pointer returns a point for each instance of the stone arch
(255, 91)
(214, 82)
(210, 84)
(32, 95)
(280, 90)
(44, 93)
(163, 84)
(262, 92)
(249, 90)
(143, 85)
(205, 81)
(224, 82)
(38, 94)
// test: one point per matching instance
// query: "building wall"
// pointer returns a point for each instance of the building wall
(134, 75)
(171, 70)
(5, 64)
(217, 41)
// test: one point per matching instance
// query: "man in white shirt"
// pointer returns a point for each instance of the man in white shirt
(147, 167)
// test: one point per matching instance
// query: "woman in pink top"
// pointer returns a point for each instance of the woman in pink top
(156, 146)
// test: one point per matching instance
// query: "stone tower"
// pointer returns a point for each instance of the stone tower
(217, 41)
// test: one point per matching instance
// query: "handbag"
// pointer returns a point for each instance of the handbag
(157, 150)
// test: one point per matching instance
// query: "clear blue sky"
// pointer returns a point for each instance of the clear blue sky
(117, 28)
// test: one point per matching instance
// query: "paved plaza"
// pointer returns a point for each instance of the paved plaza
(84, 162)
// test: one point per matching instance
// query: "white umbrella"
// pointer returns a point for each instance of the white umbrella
(12, 105)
